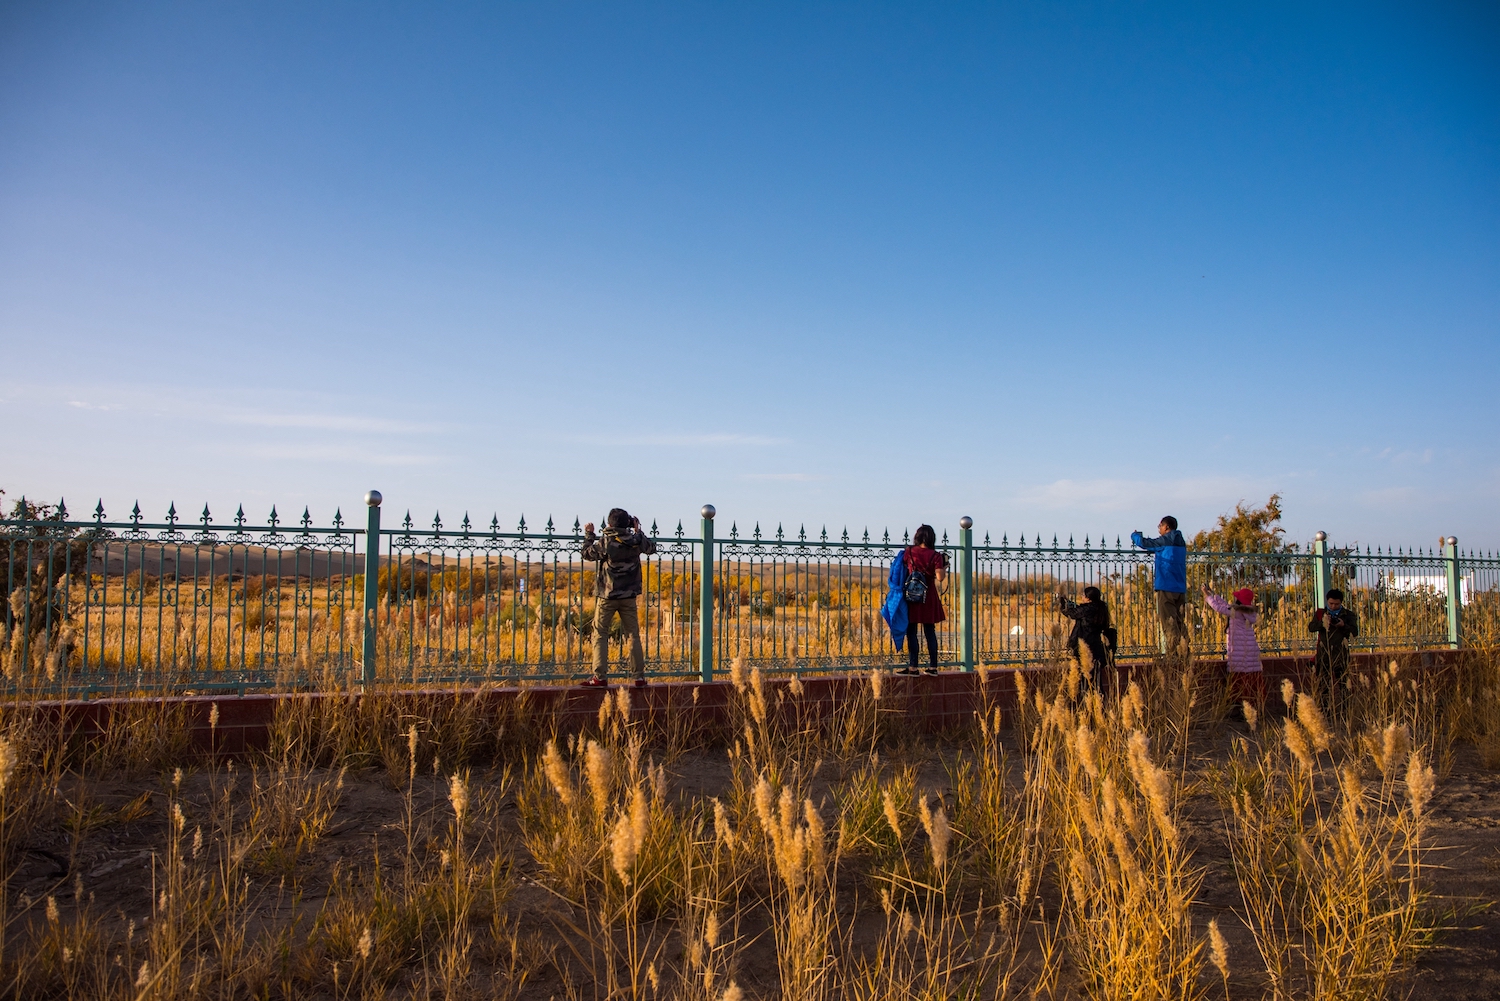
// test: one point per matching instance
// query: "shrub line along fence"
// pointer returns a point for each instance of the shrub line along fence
(100, 607)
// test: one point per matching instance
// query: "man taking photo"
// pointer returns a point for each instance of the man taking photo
(617, 581)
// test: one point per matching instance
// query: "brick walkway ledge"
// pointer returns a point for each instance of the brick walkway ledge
(929, 703)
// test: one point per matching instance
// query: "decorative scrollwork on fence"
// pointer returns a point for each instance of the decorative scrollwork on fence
(135, 533)
(272, 537)
(205, 536)
(240, 536)
(407, 539)
(305, 539)
(171, 534)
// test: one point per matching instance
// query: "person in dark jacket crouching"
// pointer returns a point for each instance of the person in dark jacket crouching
(1090, 623)
(616, 584)
(1171, 584)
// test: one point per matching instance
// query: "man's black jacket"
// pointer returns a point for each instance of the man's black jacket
(1334, 630)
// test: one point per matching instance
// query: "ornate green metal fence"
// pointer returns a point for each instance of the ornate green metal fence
(98, 606)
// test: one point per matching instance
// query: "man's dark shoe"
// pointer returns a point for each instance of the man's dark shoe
(594, 683)
(908, 670)
(931, 670)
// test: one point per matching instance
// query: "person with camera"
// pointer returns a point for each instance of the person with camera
(926, 570)
(617, 581)
(1091, 628)
(1335, 626)
(1171, 584)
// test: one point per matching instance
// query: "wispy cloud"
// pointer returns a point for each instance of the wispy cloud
(700, 440)
(344, 454)
(323, 422)
(781, 477)
(1405, 456)
(1398, 497)
(1112, 495)
(293, 412)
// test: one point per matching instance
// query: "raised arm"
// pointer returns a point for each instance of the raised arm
(1215, 602)
(594, 548)
(1137, 539)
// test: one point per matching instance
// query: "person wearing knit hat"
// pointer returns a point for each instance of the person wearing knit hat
(1241, 648)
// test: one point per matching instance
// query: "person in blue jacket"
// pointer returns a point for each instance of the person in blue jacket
(1171, 584)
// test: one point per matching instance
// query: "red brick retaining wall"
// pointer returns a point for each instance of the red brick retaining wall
(928, 703)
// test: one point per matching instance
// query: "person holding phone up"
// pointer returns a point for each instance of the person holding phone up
(616, 584)
(1335, 626)
(1170, 550)
(1091, 628)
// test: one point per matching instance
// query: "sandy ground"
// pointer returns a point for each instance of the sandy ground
(113, 860)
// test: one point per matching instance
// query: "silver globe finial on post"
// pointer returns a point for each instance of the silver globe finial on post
(966, 522)
(1322, 566)
(708, 512)
(1451, 540)
(373, 498)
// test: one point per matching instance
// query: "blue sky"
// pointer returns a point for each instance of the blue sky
(1060, 267)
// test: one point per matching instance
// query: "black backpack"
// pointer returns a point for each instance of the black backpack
(915, 588)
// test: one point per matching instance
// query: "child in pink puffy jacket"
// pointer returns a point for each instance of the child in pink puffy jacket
(1242, 650)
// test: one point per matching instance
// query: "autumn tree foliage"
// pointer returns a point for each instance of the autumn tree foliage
(1247, 530)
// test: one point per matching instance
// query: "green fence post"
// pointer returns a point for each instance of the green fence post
(1455, 589)
(966, 592)
(706, 598)
(1322, 575)
(372, 583)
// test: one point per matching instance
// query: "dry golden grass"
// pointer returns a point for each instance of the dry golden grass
(385, 848)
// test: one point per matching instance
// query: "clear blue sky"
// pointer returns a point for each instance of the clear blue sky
(1062, 267)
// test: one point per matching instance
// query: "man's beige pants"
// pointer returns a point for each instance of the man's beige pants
(630, 624)
(1171, 610)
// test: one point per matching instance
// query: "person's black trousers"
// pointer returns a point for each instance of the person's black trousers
(1332, 673)
(930, 628)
